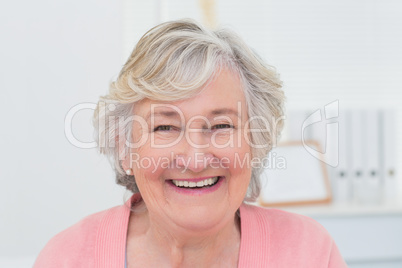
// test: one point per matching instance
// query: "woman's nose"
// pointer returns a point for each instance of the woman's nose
(195, 162)
(195, 153)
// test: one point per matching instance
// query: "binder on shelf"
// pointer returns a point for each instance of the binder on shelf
(357, 153)
(388, 153)
(372, 182)
(342, 174)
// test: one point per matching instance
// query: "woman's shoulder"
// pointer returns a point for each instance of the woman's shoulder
(284, 229)
(281, 220)
(77, 244)
(292, 240)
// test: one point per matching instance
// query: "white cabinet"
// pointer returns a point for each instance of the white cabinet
(367, 241)
(366, 236)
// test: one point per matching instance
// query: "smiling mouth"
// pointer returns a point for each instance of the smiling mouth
(196, 185)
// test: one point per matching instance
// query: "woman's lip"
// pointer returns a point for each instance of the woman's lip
(196, 179)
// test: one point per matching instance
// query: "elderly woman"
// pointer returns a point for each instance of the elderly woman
(183, 125)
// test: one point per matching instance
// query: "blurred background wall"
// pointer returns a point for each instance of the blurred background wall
(54, 55)
(57, 54)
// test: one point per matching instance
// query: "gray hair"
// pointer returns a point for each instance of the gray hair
(173, 61)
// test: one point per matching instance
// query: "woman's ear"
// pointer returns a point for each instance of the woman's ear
(125, 163)
(124, 155)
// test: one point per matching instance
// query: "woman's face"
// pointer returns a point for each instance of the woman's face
(193, 165)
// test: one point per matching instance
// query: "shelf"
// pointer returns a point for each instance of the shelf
(346, 210)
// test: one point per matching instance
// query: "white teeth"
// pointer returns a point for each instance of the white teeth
(192, 184)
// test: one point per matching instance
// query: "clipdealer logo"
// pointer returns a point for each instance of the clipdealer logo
(330, 155)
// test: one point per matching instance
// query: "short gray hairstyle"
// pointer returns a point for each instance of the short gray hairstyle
(173, 61)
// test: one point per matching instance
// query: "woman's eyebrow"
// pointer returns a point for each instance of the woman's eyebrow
(215, 112)
(225, 111)
(162, 113)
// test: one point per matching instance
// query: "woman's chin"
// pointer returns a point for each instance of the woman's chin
(199, 218)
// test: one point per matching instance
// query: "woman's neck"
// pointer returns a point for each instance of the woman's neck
(183, 248)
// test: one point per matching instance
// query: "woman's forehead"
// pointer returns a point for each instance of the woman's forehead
(222, 96)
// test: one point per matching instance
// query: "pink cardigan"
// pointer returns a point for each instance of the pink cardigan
(269, 238)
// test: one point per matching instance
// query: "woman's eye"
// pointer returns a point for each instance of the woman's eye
(163, 128)
(221, 126)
